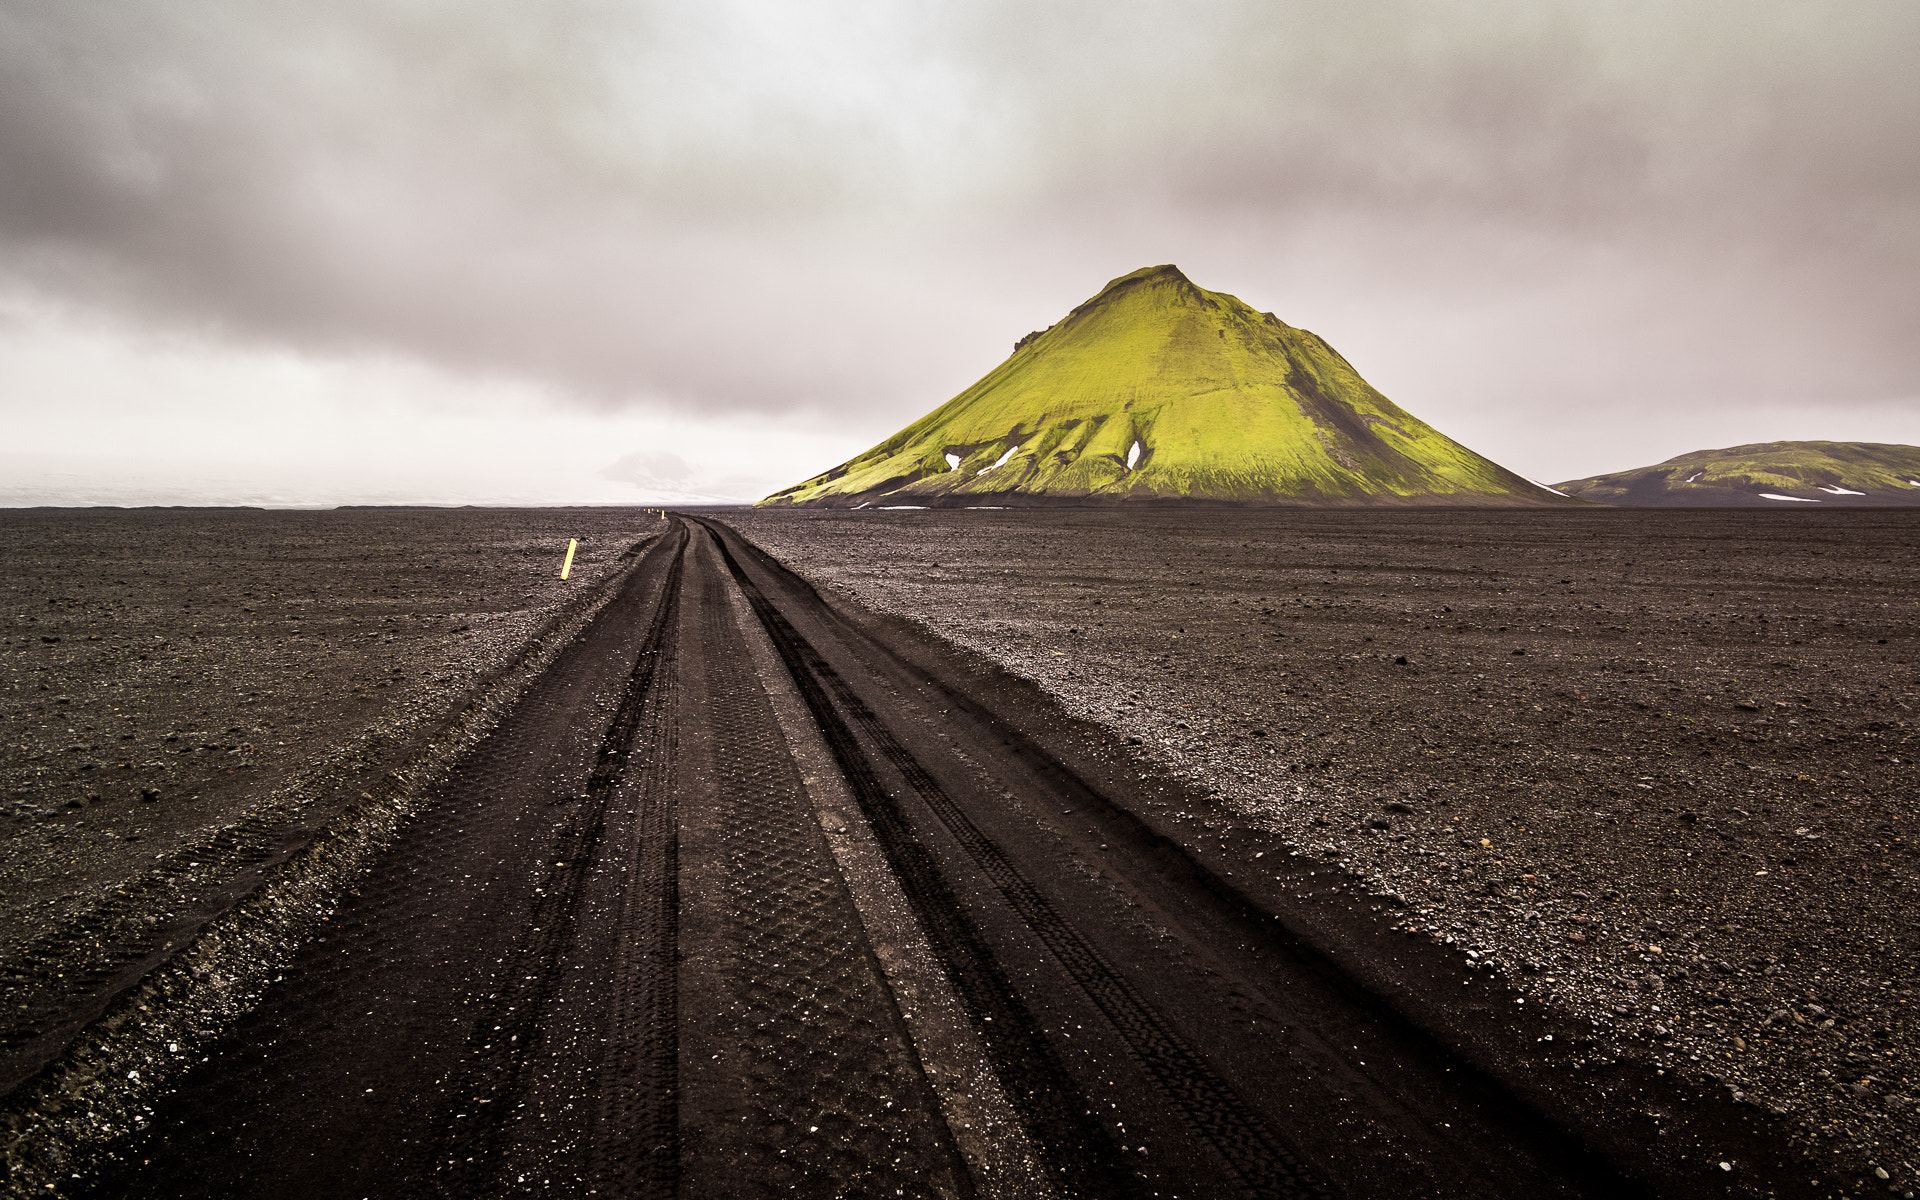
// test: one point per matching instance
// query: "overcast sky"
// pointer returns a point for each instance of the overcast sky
(612, 250)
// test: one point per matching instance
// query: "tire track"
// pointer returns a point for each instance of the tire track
(512, 1030)
(634, 1138)
(801, 1079)
(110, 946)
(364, 1072)
(1080, 1149)
(1325, 1069)
(1213, 1108)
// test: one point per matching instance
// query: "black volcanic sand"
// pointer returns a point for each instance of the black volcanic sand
(1655, 769)
(166, 673)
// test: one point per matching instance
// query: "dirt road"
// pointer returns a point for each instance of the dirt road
(748, 898)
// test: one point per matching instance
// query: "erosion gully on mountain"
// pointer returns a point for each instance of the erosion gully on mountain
(753, 895)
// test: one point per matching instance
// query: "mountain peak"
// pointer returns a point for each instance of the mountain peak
(1166, 271)
(1164, 275)
(1157, 390)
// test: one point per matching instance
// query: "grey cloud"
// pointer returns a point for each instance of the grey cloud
(461, 187)
(714, 206)
(1559, 113)
(1734, 188)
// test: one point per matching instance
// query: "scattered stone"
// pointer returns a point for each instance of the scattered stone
(1540, 757)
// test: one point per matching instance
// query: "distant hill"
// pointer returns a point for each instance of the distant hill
(1767, 475)
(1157, 391)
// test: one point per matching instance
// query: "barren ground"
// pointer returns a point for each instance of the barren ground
(1649, 771)
(1654, 768)
(188, 693)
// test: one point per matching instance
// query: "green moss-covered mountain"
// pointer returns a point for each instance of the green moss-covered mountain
(1767, 475)
(1158, 391)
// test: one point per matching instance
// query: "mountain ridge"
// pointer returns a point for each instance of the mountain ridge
(1786, 474)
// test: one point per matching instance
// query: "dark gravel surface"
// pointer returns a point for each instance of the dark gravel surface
(183, 689)
(1652, 769)
(1649, 770)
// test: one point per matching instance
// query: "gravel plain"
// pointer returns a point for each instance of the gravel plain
(189, 691)
(1652, 768)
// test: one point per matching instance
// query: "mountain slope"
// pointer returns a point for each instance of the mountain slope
(1159, 391)
(1767, 475)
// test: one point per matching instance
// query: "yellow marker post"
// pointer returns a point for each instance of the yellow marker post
(566, 567)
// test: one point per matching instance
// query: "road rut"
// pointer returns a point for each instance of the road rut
(616, 955)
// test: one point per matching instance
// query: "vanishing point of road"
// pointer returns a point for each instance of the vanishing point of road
(743, 899)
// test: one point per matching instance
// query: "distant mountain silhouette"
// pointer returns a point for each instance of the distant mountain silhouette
(1767, 475)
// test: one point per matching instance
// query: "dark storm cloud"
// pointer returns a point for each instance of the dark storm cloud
(1571, 116)
(1568, 234)
(464, 181)
(737, 206)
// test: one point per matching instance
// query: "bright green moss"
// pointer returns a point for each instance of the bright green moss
(1227, 404)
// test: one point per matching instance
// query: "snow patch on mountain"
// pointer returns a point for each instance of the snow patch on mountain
(999, 462)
